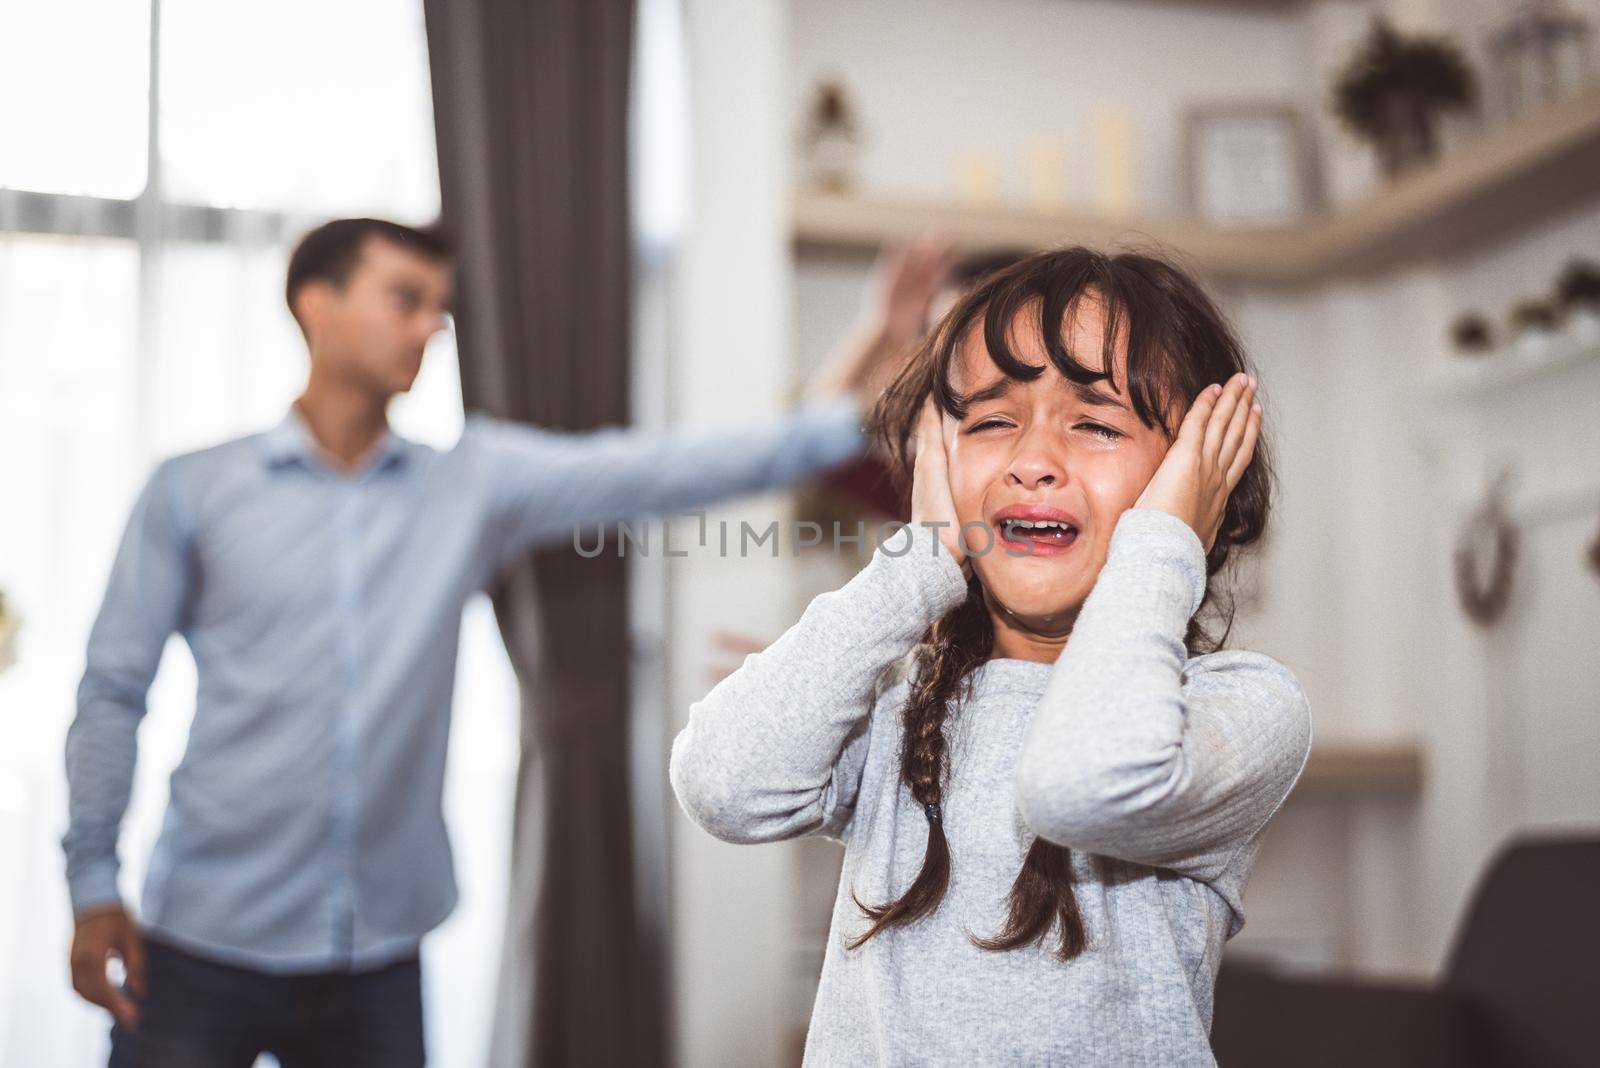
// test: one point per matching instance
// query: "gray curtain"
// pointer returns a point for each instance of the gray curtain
(531, 106)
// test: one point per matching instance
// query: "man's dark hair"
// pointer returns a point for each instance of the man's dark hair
(331, 251)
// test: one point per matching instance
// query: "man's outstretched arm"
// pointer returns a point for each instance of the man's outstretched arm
(545, 483)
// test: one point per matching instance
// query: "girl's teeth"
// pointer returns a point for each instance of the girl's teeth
(1049, 527)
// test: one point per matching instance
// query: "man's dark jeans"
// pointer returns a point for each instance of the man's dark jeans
(201, 1014)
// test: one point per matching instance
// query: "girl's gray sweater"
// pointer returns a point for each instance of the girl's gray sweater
(1159, 771)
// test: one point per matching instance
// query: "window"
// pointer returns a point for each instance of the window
(74, 75)
(141, 314)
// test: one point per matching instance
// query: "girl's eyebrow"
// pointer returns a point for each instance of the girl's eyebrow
(1085, 393)
(994, 390)
(1089, 395)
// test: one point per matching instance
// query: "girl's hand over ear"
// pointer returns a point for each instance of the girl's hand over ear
(931, 502)
(1213, 448)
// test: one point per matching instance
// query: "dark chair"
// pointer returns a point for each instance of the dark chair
(1522, 987)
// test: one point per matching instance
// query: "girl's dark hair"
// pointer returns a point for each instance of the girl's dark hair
(1178, 343)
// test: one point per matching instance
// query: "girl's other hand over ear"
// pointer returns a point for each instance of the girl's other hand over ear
(1212, 450)
(931, 501)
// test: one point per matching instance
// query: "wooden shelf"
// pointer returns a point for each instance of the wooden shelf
(1276, 7)
(832, 222)
(1357, 770)
(1481, 191)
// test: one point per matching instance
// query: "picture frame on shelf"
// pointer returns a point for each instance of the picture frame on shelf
(1248, 164)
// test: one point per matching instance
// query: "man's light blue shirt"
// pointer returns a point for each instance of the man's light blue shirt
(304, 829)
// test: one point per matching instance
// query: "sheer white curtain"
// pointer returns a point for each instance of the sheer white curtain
(151, 185)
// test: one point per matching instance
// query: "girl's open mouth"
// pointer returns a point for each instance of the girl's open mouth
(1036, 537)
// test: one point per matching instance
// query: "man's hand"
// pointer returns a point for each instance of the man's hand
(101, 934)
(908, 277)
(1214, 446)
(894, 318)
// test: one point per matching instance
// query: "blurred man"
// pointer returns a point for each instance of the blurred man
(318, 572)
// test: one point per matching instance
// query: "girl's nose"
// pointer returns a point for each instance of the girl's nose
(1037, 462)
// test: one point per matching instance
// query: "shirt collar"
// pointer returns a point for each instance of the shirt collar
(291, 441)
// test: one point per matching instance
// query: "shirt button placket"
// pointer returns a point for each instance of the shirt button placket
(346, 783)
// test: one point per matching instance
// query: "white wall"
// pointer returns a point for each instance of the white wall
(1377, 470)
(933, 80)
(730, 905)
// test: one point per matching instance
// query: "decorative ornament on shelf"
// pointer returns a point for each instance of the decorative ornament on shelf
(1594, 554)
(1577, 299)
(1472, 335)
(9, 625)
(832, 141)
(1534, 315)
(1392, 92)
(1533, 325)
(1539, 56)
(1486, 556)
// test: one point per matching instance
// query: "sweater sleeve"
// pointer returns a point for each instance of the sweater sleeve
(1134, 754)
(777, 748)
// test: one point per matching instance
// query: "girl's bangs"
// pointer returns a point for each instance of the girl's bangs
(1028, 301)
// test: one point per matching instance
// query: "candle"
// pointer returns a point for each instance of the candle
(1114, 183)
(978, 178)
(1047, 174)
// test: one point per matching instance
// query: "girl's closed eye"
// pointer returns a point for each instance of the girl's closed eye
(1097, 429)
(986, 424)
(1100, 430)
